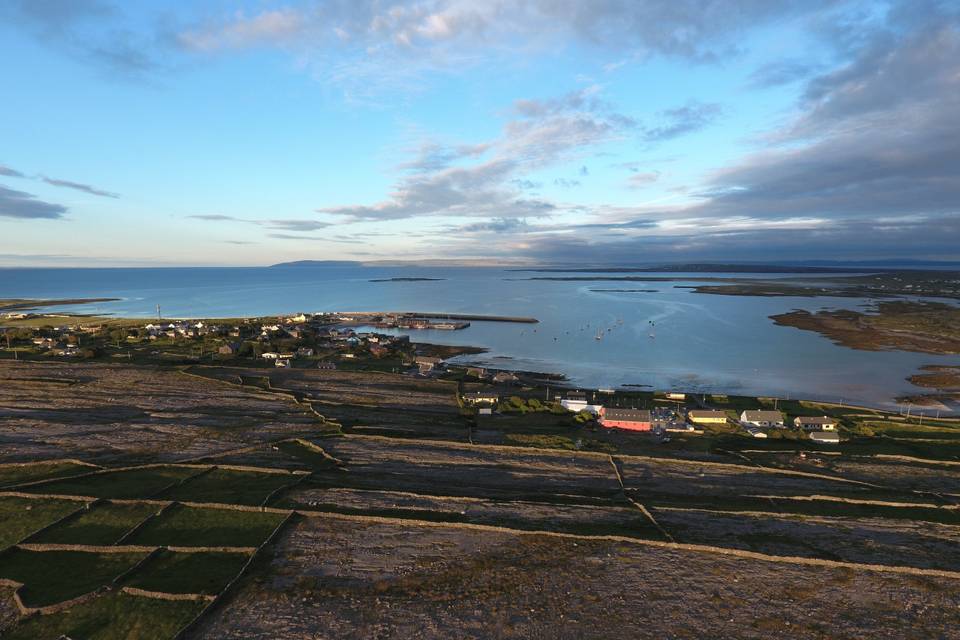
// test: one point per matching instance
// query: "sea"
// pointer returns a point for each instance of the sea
(655, 335)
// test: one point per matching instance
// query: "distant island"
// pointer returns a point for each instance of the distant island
(623, 290)
(406, 279)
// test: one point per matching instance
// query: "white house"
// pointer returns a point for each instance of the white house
(815, 423)
(825, 437)
(762, 418)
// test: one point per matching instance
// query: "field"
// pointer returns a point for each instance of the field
(50, 577)
(114, 616)
(101, 524)
(426, 581)
(397, 514)
(135, 483)
(174, 572)
(200, 527)
(19, 517)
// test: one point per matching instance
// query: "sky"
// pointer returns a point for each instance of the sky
(586, 132)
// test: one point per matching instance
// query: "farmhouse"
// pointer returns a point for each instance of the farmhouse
(481, 397)
(815, 423)
(703, 416)
(762, 418)
(825, 437)
(632, 419)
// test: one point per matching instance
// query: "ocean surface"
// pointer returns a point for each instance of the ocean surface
(671, 338)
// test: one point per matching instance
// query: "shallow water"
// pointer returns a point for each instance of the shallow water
(670, 339)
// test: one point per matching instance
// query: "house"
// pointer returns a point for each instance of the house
(815, 423)
(762, 418)
(756, 433)
(305, 352)
(631, 419)
(327, 366)
(505, 377)
(706, 416)
(427, 363)
(270, 355)
(485, 411)
(481, 397)
(825, 437)
(229, 349)
(477, 372)
(676, 396)
(282, 362)
(574, 401)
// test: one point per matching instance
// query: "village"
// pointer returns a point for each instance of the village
(349, 341)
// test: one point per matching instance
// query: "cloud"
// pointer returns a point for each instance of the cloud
(554, 131)
(566, 183)
(77, 186)
(216, 217)
(239, 242)
(291, 236)
(682, 120)
(17, 204)
(781, 72)
(93, 31)
(10, 173)
(392, 43)
(296, 225)
(431, 156)
(640, 180)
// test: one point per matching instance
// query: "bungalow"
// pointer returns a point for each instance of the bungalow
(327, 366)
(762, 418)
(282, 362)
(427, 363)
(574, 401)
(825, 437)
(505, 377)
(756, 433)
(702, 416)
(481, 397)
(630, 419)
(676, 396)
(815, 423)
(477, 372)
(305, 352)
(229, 349)
(270, 355)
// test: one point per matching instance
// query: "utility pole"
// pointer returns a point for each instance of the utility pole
(921, 418)
(158, 313)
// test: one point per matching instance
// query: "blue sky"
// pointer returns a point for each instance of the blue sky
(544, 131)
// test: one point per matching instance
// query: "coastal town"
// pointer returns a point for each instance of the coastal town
(214, 478)
(354, 341)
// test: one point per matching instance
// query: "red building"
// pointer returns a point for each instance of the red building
(632, 419)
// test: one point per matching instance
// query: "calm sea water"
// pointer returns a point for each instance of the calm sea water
(700, 342)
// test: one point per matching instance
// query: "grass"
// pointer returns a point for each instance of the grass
(19, 517)
(11, 474)
(54, 576)
(200, 527)
(137, 483)
(230, 487)
(112, 616)
(103, 524)
(171, 572)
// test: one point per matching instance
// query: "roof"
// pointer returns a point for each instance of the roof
(480, 394)
(627, 415)
(575, 396)
(825, 436)
(706, 413)
(815, 420)
(428, 360)
(763, 416)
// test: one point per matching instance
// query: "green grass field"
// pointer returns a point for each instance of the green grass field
(112, 616)
(137, 483)
(11, 474)
(54, 576)
(102, 524)
(230, 487)
(171, 572)
(199, 527)
(19, 517)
